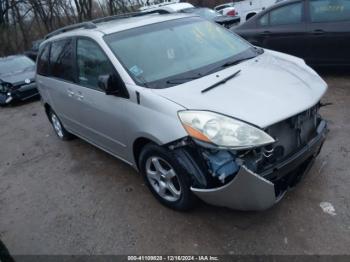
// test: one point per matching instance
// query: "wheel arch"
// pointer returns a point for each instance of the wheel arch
(47, 110)
(137, 147)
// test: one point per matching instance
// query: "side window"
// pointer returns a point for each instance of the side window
(61, 59)
(221, 8)
(43, 61)
(329, 10)
(264, 20)
(285, 15)
(91, 62)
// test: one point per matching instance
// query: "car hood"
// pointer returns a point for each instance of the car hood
(270, 88)
(18, 78)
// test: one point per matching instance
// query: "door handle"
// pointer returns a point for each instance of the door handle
(80, 96)
(318, 32)
(70, 93)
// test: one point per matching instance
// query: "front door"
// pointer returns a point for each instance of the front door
(101, 116)
(284, 29)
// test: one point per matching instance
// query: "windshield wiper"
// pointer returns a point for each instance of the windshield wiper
(258, 50)
(227, 64)
(223, 81)
(181, 80)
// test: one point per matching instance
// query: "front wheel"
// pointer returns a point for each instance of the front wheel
(166, 178)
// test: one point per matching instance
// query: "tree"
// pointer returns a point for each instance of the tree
(84, 9)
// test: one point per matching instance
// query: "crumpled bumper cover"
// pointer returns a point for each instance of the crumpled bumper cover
(250, 191)
(5, 99)
(22, 93)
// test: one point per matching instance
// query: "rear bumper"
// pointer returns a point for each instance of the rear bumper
(250, 191)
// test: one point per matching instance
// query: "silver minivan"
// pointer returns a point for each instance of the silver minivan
(200, 112)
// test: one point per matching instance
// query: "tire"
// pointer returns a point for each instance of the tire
(58, 127)
(166, 178)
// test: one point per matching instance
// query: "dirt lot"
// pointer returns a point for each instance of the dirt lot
(71, 198)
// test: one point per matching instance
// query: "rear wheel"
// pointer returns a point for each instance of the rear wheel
(166, 179)
(59, 129)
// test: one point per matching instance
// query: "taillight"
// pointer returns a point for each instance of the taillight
(231, 13)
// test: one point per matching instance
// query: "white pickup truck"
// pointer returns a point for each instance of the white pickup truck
(246, 9)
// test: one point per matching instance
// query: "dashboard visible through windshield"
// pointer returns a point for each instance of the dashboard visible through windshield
(155, 55)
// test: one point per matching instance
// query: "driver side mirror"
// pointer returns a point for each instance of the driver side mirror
(112, 85)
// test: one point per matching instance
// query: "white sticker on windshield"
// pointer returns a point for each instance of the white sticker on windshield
(171, 53)
(135, 70)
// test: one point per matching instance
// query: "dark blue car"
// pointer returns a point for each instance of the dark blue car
(17, 79)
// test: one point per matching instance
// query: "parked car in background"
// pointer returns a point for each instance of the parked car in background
(206, 13)
(166, 7)
(193, 107)
(246, 9)
(210, 14)
(315, 30)
(17, 79)
(226, 9)
(33, 52)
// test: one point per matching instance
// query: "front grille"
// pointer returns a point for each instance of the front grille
(24, 91)
(291, 135)
(25, 86)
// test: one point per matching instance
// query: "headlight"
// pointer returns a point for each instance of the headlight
(223, 131)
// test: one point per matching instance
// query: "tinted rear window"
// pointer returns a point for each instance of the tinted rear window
(43, 61)
(61, 59)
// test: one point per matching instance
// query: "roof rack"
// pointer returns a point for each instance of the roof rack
(92, 24)
(86, 25)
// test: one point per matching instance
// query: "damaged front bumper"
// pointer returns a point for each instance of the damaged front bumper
(21, 93)
(250, 191)
(5, 98)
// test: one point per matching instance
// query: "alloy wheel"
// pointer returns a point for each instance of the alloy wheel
(163, 178)
(57, 125)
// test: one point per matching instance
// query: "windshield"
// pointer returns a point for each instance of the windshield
(156, 54)
(202, 12)
(15, 64)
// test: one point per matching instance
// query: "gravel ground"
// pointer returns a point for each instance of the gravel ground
(71, 198)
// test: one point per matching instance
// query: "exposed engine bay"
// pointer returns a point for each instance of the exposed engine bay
(212, 168)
